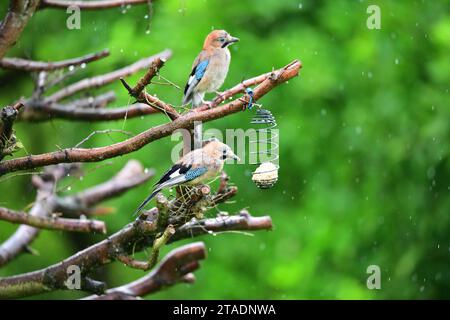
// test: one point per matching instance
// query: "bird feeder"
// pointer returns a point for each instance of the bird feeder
(266, 175)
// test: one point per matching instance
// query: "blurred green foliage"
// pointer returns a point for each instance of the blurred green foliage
(364, 134)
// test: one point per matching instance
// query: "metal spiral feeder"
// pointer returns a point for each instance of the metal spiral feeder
(266, 175)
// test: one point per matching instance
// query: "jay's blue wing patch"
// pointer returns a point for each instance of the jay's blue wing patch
(195, 173)
(178, 174)
(200, 69)
(196, 75)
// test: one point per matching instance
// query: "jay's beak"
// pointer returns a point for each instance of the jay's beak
(235, 157)
(230, 40)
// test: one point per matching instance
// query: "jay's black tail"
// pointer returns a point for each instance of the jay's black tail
(144, 203)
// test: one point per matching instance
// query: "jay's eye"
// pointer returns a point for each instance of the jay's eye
(222, 39)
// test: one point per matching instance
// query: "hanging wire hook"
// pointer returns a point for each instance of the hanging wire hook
(249, 104)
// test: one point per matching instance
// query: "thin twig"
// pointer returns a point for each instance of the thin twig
(30, 65)
(142, 96)
(52, 223)
(107, 78)
(159, 243)
(106, 131)
(72, 113)
(89, 5)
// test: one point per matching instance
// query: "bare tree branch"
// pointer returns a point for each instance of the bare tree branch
(30, 65)
(144, 97)
(152, 134)
(89, 5)
(52, 223)
(17, 17)
(132, 174)
(147, 77)
(107, 78)
(24, 235)
(132, 238)
(174, 268)
(74, 113)
(239, 88)
(7, 140)
(243, 221)
(45, 109)
(169, 221)
(47, 201)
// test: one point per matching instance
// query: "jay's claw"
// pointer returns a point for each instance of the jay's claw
(208, 103)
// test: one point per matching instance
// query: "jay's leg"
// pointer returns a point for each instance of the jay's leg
(220, 97)
(208, 103)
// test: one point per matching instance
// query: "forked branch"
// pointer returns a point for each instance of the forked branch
(132, 238)
(176, 267)
(82, 203)
(137, 142)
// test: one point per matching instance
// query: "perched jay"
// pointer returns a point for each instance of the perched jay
(209, 71)
(210, 68)
(195, 167)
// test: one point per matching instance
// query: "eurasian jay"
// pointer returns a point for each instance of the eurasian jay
(210, 68)
(209, 71)
(195, 167)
